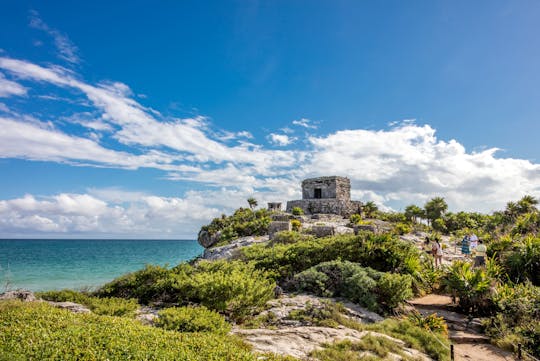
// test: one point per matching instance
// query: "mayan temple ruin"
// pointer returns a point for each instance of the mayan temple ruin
(329, 195)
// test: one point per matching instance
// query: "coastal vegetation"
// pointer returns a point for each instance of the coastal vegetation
(379, 270)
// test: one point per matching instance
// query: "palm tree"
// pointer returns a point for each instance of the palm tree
(413, 212)
(435, 208)
(369, 208)
(252, 202)
(527, 204)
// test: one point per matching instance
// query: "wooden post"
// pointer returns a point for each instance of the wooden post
(520, 357)
(452, 352)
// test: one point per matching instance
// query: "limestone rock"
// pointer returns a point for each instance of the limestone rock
(322, 231)
(207, 240)
(23, 295)
(70, 306)
(276, 227)
(147, 315)
(231, 250)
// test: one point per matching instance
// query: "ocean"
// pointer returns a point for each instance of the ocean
(45, 264)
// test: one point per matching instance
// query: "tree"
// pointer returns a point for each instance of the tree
(527, 204)
(435, 208)
(369, 208)
(413, 213)
(252, 202)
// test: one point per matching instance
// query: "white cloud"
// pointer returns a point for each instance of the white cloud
(280, 139)
(66, 49)
(306, 123)
(9, 88)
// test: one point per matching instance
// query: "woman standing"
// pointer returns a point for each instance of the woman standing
(465, 246)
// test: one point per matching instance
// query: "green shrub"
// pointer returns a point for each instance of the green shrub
(470, 284)
(523, 262)
(355, 351)
(296, 225)
(287, 237)
(430, 322)
(355, 219)
(112, 306)
(38, 331)
(518, 317)
(402, 228)
(381, 252)
(297, 211)
(244, 222)
(435, 345)
(192, 319)
(393, 289)
(372, 289)
(328, 314)
(233, 288)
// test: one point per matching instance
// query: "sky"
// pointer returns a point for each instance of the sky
(148, 120)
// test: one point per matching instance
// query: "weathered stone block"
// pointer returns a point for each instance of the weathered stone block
(282, 217)
(278, 226)
(323, 231)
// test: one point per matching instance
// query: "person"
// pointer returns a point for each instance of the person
(480, 255)
(438, 253)
(427, 247)
(465, 243)
(473, 241)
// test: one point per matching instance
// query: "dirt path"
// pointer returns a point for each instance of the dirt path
(469, 343)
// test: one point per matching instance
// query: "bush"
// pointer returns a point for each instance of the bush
(297, 211)
(192, 319)
(355, 219)
(393, 289)
(372, 289)
(402, 228)
(296, 225)
(38, 331)
(381, 252)
(234, 288)
(111, 306)
(287, 237)
(244, 222)
(517, 320)
(470, 285)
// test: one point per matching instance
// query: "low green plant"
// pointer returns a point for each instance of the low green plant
(470, 285)
(288, 237)
(233, 288)
(375, 290)
(402, 228)
(112, 306)
(434, 344)
(243, 222)
(328, 314)
(355, 219)
(297, 211)
(296, 225)
(381, 348)
(38, 331)
(430, 322)
(192, 319)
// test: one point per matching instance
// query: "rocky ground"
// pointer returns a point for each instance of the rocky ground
(287, 336)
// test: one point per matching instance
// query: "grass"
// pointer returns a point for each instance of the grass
(38, 331)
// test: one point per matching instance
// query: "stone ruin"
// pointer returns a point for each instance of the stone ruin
(327, 195)
(274, 206)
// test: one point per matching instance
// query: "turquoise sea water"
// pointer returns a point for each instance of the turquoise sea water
(39, 264)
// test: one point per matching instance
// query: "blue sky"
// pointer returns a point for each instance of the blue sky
(147, 120)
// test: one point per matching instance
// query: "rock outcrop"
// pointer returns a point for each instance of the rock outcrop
(23, 295)
(231, 250)
(206, 239)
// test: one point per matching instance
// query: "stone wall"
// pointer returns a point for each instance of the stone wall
(329, 206)
(331, 187)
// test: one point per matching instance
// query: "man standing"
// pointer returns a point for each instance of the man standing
(480, 258)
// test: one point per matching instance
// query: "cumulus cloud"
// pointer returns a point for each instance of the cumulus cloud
(66, 49)
(280, 139)
(9, 87)
(306, 123)
(405, 163)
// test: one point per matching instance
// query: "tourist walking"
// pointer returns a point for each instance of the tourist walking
(465, 246)
(437, 253)
(480, 255)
